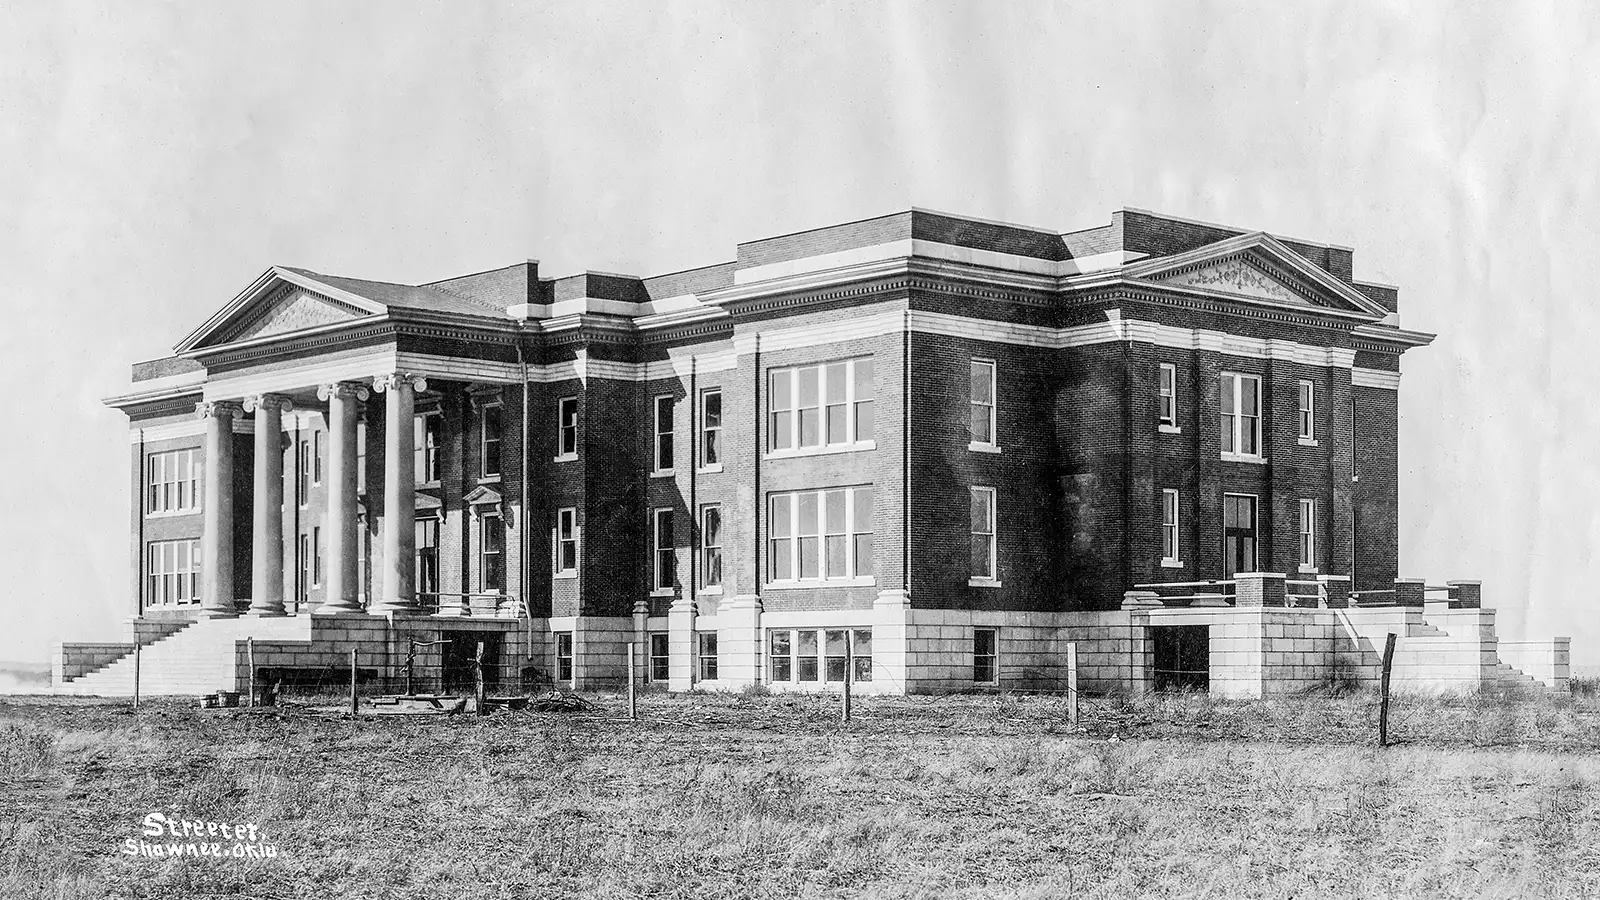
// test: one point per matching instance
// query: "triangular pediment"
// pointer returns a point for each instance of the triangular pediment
(281, 301)
(1256, 268)
(292, 308)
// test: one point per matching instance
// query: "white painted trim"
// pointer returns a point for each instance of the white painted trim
(910, 247)
(188, 428)
(1375, 378)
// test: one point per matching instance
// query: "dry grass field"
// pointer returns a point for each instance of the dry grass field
(753, 796)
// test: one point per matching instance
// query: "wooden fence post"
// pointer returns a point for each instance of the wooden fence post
(250, 663)
(477, 675)
(633, 700)
(136, 673)
(1072, 682)
(849, 667)
(355, 707)
(1383, 688)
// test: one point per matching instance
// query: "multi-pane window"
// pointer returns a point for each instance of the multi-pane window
(361, 456)
(316, 457)
(1169, 525)
(1241, 415)
(981, 423)
(490, 439)
(566, 541)
(813, 656)
(491, 553)
(1169, 394)
(828, 405)
(1308, 534)
(663, 446)
(425, 447)
(664, 556)
(428, 557)
(567, 427)
(303, 581)
(707, 655)
(564, 656)
(985, 655)
(820, 535)
(174, 481)
(1308, 411)
(711, 545)
(316, 555)
(711, 428)
(173, 570)
(303, 483)
(659, 668)
(983, 534)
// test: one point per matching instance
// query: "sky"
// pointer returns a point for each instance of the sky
(156, 157)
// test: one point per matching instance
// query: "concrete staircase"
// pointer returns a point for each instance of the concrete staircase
(201, 658)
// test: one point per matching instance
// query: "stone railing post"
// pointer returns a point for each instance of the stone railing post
(1259, 589)
(1409, 592)
(1465, 594)
(1336, 588)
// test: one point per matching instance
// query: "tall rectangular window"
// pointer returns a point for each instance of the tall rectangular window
(1241, 416)
(780, 663)
(1308, 411)
(827, 405)
(492, 550)
(316, 457)
(836, 654)
(981, 423)
(1169, 526)
(985, 655)
(711, 545)
(660, 669)
(564, 656)
(1238, 534)
(428, 558)
(490, 439)
(303, 581)
(316, 555)
(1169, 395)
(172, 570)
(1308, 534)
(173, 481)
(361, 457)
(983, 534)
(807, 651)
(711, 427)
(861, 653)
(820, 535)
(303, 483)
(566, 561)
(663, 430)
(567, 427)
(664, 558)
(707, 655)
(425, 446)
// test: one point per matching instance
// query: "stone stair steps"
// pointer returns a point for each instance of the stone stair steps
(198, 659)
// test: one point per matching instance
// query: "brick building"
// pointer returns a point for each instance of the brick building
(923, 447)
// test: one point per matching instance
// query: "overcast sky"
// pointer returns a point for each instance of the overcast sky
(155, 158)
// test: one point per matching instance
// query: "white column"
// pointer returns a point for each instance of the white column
(399, 493)
(216, 541)
(266, 559)
(343, 576)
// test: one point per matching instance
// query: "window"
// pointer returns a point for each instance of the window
(806, 651)
(982, 422)
(827, 405)
(1238, 534)
(711, 545)
(425, 445)
(303, 484)
(663, 455)
(1169, 395)
(813, 656)
(836, 648)
(173, 569)
(820, 535)
(490, 440)
(985, 655)
(1169, 526)
(983, 534)
(303, 585)
(564, 656)
(708, 655)
(1308, 411)
(567, 427)
(1308, 535)
(659, 669)
(664, 561)
(566, 542)
(491, 569)
(428, 557)
(1241, 416)
(361, 457)
(316, 555)
(780, 660)
(711, 428)
(174, 481)
(316, 457)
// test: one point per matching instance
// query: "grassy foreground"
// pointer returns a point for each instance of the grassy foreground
(770, 797)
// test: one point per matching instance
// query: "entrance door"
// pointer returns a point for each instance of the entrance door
(1182, 657)
(1238, 534)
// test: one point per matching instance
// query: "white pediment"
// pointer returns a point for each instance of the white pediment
(1237, 276)
(1256, 268)
(292, 308)
(280, 301)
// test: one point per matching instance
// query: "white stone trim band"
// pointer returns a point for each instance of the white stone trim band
(1375, 378)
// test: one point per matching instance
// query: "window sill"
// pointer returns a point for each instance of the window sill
(1172, 564)
(664, 592)
(983, 582)
(1170, 429)
(428, 485)
(1309, 442)
(663, 473)
(976, 447)
(712, 469)
(565, 457)
(1241, 458)
(565, 575)
(174, 513)
(712, 591)
(822, 451)
(1308, 570)
(489, 479)
(820, 583)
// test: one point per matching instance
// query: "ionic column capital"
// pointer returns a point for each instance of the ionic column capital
(384, 382)
(343, 389)
(282, 402)
(218, 409)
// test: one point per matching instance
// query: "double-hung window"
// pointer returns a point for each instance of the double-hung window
(316, 555)
(316, 457)
(428, 558)
(1168, 398)
(174, 481)
(664, 556)
(1308, 535)
(1241, 416)
(711, 546)
(361, 457)
(490, 439)
(981, 420)
(491, 551)
(566, 549)
(662, 462)
(659, 659)
(567, 428)
(564, 656)
(820, 535)
(302, 484)
(1308, 412)
(173, 569)
(707, 654)
(984, 569)
(425, 447)
(711, 428)
(985, 655)
(1169, 528)
(821, 406)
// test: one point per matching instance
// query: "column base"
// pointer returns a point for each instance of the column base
(268, 613)
(219, 614)
(391, 609)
